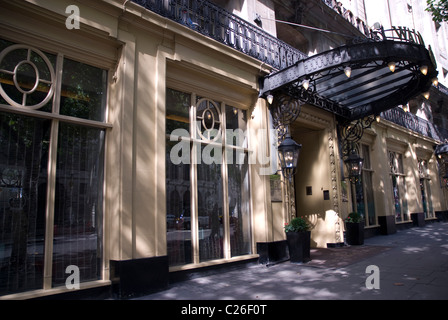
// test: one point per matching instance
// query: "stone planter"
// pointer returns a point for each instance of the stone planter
(299, 246)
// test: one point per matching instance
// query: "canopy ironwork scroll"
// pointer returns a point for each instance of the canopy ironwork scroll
(285, 110)
(351, 133)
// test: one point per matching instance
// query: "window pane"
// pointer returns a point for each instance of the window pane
(366, 156)
(399, 163)
(404, 201)
(392, 164)
(430, 206)
(78, 202)
(424, 201)
(210, 212)
(236, 125)
(178, 210)
(360, 206)
(177, 111)
(24, 143)
(83, 93)
(239, 212)
(369, 197)
(396, 198)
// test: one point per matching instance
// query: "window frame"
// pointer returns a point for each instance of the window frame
(425, 179)
(56, 119)
(367, 171)
(395, 166)
(196, 141)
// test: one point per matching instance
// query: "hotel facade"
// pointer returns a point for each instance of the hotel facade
(138, 142)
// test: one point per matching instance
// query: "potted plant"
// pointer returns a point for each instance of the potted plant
(298, 237)
(354, 226)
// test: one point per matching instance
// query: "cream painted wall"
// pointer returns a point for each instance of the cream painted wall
(140, 218)
(201, 70)
(144, 53)
(387, 136)
(380, 165)
(318, 169)
(135, 45)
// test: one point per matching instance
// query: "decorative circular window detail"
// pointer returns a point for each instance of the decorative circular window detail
(209, 120)
(10, 177)
(27, 69)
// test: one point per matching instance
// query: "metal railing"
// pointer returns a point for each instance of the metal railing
(227, 28)
(412, 122)
(215, 22)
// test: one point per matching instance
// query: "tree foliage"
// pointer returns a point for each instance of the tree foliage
(438, 9)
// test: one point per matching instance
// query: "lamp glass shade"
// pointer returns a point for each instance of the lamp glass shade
(354, 165)
(288, 154)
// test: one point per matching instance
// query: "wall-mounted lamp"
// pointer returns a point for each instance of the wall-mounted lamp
(354, 166)
(270, 98)
(426, 95)
(288, 154)
(435, 81)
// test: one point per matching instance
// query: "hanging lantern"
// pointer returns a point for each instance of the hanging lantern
(288, 154)
(354, 165)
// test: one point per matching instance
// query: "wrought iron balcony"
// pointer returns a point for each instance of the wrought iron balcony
(227, 28)
(412, 122)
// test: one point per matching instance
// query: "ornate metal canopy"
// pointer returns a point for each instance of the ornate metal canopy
(361, 79)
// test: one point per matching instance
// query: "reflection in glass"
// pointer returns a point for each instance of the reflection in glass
(426, 198)
(239, 213)
(24, 143)
(206, 217)
(78, 207)
(396, 197)
(177, 111)
(430, 206)
(360, 205)
(398, 187)
(367, 176)
(210, 211)
(236, 126)
(178, 210)
(83, 91)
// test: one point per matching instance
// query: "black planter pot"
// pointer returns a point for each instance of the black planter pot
(299, 246)
(354, 233)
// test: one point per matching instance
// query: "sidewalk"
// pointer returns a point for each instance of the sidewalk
(413, 265)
